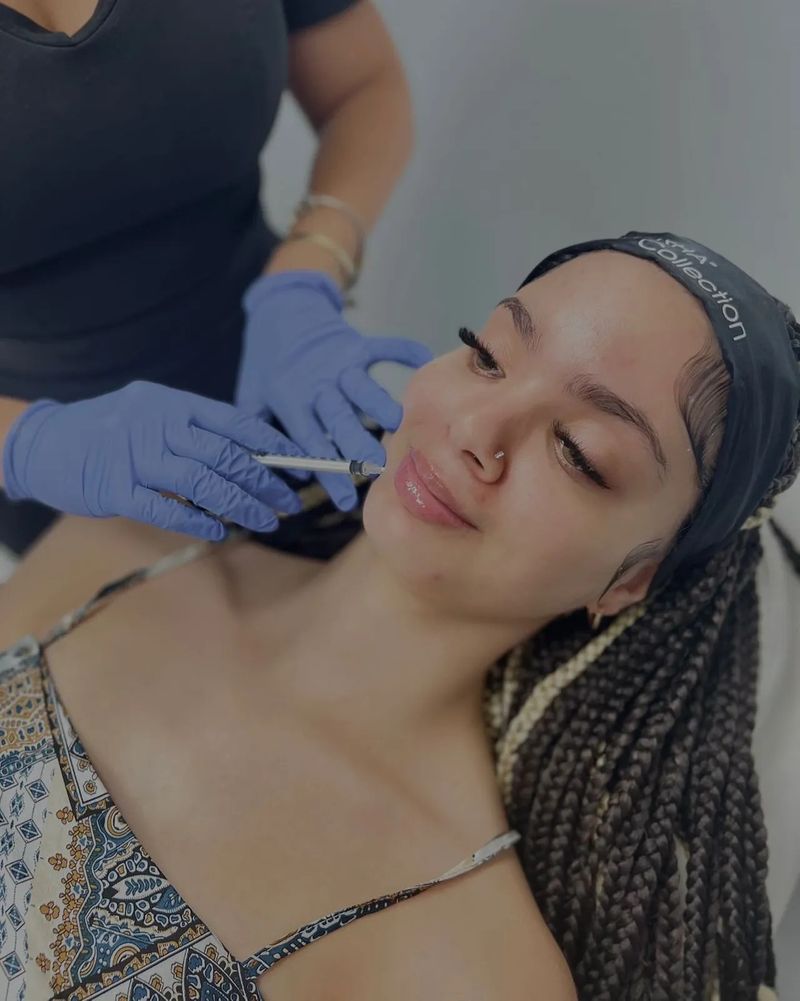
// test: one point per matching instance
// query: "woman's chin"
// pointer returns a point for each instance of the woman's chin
(414, 547)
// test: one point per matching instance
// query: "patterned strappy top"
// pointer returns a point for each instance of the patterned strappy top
(84, 910)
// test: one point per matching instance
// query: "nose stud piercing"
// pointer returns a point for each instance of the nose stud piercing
(499, 455)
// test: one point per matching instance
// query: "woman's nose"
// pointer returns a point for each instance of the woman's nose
(491, 464)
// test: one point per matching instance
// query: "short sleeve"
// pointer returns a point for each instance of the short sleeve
(303, 13)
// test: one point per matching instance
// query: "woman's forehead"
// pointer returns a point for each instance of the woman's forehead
(610, 293)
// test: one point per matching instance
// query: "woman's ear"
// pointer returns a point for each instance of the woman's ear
(629, 588)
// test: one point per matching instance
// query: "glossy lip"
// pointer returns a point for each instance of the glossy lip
(431, 480)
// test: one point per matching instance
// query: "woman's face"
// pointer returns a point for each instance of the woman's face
(548, 536)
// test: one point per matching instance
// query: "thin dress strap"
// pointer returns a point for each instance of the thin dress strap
(266, 958)
(181, 556)
(311, 495)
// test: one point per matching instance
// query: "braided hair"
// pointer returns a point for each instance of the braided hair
(624, 759)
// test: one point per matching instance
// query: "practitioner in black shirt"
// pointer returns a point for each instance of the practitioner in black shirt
(153, 328)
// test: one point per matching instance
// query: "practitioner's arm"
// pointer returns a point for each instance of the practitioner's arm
(10, 409)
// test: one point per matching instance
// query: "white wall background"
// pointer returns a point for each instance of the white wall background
(541, 123)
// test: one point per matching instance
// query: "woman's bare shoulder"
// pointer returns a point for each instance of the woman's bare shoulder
(76, 556)
(497, 946)
(69, 563)
(479, 937)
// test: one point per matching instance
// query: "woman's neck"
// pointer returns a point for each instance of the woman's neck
(387, 671)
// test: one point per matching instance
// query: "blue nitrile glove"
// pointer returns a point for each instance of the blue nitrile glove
(302, 361)
(111, 454)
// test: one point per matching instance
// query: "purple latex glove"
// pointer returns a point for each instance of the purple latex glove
(302, 361)
(112, 454)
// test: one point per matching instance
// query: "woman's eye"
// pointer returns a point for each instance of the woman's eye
(487, 359)
(578, 456)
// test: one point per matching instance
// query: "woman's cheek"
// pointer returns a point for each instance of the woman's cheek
(543, 524)
(425, 401)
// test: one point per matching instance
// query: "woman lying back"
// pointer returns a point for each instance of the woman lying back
(225, 756)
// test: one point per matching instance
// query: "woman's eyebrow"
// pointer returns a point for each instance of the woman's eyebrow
(522, 321)
(585, 388)
(606, 400)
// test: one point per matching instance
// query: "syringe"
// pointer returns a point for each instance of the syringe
(355, 467)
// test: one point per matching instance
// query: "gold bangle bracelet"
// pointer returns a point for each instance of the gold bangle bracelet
(342, 257)
(328, 201)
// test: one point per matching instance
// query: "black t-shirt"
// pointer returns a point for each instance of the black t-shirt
(130, 221)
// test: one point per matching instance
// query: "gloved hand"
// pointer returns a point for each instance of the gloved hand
(111, 454)
(304, 363)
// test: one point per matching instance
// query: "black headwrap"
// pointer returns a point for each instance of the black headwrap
(764, 392)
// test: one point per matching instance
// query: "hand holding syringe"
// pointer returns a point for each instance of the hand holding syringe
(122, 453)
(353, 467)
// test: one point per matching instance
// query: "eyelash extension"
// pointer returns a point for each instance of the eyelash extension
(579, 455)
(471, 339)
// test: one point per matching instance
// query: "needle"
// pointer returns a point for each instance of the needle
(355, 467)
